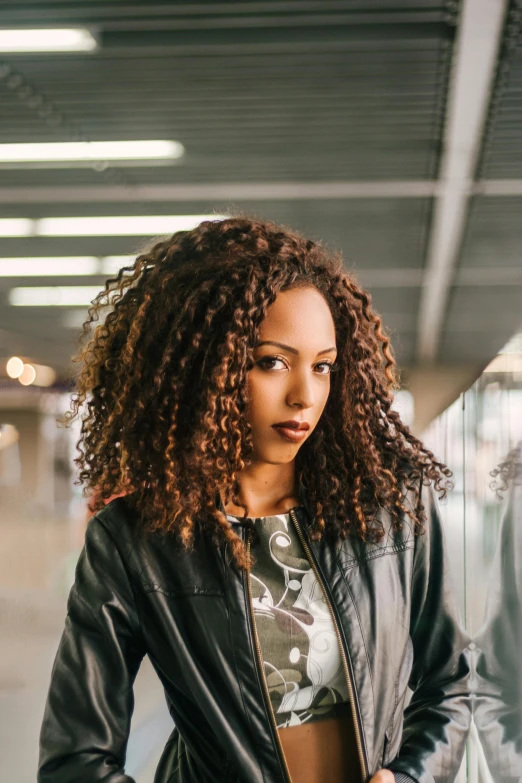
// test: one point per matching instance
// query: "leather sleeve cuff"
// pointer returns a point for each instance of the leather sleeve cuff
(402, 777)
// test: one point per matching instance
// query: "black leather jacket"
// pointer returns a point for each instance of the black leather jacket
(189, 612)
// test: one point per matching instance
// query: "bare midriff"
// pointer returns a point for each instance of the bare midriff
(323, 750)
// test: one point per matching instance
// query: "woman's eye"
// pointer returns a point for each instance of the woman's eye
(267, 360)
(327, 364)
(270, 359)
(333, 367)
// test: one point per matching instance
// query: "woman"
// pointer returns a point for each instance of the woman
(278, 552)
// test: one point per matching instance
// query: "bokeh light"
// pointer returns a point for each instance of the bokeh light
(14, 367)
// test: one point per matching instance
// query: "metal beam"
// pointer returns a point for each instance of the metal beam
(476, 51)
(234, 191)
(477, 277)
(254, 191)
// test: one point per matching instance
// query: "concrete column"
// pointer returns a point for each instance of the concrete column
(36, 447)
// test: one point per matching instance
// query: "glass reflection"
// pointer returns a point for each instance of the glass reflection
(480, 438)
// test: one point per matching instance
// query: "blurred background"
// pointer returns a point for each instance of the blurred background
(390, 129)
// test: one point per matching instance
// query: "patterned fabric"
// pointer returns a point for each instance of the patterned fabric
(402, 777)
(301, 656)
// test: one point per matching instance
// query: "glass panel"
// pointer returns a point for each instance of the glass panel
(479, 437)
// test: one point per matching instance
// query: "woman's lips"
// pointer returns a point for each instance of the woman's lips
(288, 434)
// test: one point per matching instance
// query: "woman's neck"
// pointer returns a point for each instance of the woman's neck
(266, 489)
(265, 509)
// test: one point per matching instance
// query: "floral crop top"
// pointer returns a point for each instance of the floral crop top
(301, 656)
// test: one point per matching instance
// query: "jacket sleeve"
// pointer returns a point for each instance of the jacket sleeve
(438, 717)
(90, 701)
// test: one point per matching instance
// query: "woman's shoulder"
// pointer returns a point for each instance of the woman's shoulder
(117, 514)
(154, 560)
(114, 527)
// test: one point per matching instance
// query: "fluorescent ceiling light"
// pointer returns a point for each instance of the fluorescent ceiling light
(111, 265)
(63, 266)
(90, 152)
(132, 225)
(49, 267)
(47, 40)
(16, 227)
(53, 296)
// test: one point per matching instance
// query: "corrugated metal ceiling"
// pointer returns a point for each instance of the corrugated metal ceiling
(258, 92)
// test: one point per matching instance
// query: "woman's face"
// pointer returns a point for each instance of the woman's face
(290, 379)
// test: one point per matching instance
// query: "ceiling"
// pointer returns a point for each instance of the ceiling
(336, 117)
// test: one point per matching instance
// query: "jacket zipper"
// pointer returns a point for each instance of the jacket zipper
(351, 687)
(261, 668)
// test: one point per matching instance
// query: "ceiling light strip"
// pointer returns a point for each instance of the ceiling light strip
(118, 225)
(63, 266)
(53, 296)
(90, 151)
(47, 40)
(50, 267)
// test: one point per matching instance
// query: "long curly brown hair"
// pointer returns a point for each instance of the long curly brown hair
(162, 390)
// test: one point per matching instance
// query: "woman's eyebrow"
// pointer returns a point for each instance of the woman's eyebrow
(289, 348)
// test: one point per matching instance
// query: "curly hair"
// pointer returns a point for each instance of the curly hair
(510, 471)
(162, 389)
